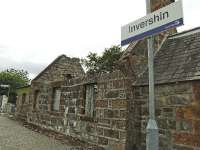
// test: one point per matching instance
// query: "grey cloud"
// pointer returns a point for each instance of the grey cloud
(32, 68)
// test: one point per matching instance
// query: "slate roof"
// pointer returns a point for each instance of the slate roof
(177, 60)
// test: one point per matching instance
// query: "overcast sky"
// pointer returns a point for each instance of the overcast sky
(34, 32)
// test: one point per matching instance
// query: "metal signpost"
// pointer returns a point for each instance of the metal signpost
(152, 140)
(163, 19)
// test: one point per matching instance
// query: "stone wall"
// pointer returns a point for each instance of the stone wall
(108, 126)
(42, 87)
(41, 112)
(105, 128)
(23, 107)
(23, 103)
(177, 115)
(59, 69)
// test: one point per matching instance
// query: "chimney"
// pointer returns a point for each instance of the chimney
(155, 5)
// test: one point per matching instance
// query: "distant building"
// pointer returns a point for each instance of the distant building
(23, 103)
(3, 102)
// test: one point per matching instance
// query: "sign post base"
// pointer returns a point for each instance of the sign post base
(152, 135)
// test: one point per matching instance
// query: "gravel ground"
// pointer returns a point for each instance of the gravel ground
(13, 136)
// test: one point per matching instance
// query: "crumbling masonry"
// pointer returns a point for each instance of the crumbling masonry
(111, 110)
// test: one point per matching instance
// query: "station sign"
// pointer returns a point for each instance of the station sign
(160, 20)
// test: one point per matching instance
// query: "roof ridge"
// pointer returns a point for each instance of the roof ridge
(184, 32)
(48, 66)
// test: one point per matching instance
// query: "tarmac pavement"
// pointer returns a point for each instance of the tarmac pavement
(14, 136)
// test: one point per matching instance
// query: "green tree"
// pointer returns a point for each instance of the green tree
(14, 78)
(104, 63)
(92, 62)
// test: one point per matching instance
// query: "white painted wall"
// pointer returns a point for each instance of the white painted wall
(4, 102)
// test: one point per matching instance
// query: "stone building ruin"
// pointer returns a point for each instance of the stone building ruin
(110, 110)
